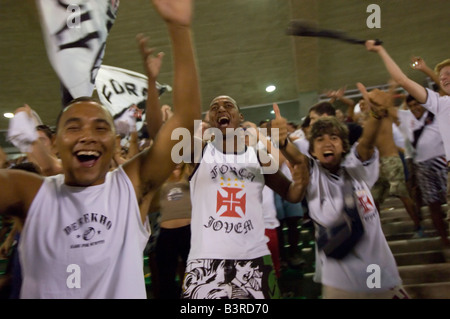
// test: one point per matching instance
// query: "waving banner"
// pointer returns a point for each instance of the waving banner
(124, 93)
(75, 33)
(119, 88)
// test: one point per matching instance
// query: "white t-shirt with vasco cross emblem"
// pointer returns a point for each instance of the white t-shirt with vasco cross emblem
(227, 214)
(84, 242)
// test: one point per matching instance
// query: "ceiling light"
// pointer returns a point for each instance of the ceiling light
(271, 88)
(8, 115)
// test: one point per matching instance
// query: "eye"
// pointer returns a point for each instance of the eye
(72, 128)
(102, 128)
(214, 107)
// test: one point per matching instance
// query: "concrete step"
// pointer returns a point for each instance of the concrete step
(415, 245)
(419, 258)
(423, 274)
(399, 214)
(407, 226)
(409, 235)
(438, 290)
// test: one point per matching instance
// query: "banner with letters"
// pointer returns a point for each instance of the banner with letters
(75, 33)
(123, 92)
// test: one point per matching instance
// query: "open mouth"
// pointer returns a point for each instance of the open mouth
(87, 158)
(223, 121)
(328, 156)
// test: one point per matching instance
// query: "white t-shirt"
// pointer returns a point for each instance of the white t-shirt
(430, 144)
(399, 139)
(84, 242)
(269, 209)
(440, 107)
(227, 215)
(325, 202)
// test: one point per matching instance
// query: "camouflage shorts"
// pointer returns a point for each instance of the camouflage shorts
(391, 180)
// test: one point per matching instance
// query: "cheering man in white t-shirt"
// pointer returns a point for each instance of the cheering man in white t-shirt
(367, 269)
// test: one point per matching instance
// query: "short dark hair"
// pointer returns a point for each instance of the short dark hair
(323, 108)
(329, 125)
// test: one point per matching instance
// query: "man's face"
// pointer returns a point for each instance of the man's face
(45, 140)
(85, 142)
(224, 113)
(328, 149)
(416, 109)
(444, 79)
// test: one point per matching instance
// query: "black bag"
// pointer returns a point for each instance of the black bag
(336, 242)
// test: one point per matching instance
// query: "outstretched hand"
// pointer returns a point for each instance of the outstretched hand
(417, 63)
(378, 101)
(152, 64)
(175, 11)
(25, 108)
(372, 46)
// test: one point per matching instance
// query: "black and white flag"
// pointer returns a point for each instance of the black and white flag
(119, 88)
(75, 33)
(124, 93)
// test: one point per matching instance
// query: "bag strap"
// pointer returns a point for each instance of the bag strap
(429, 119)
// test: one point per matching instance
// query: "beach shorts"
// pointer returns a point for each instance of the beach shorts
(432, 180)
(391, 180)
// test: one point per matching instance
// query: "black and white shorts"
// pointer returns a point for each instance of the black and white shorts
(432, 180)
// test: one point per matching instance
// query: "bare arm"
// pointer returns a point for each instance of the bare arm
(289, 150)
(295, 190)
(18, 189)
(152, 65)
(151, 168)
(378, 102)
(415, 89)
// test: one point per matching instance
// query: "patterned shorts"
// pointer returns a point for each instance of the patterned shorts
(432, 180)
(391, 180)
(230, 279)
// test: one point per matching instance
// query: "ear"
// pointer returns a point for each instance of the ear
(241, 117)
(117, 142)
(54, 148)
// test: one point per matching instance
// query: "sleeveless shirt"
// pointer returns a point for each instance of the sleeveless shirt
(227, 214)
(84, 242)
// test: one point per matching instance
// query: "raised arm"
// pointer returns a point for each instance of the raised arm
(378, 102)
(295, 190)
(288, 149)
(152, 65)
(414, 88)
(151, 168)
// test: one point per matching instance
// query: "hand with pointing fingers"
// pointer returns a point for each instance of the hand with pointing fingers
(279, 123)
(378, 101)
